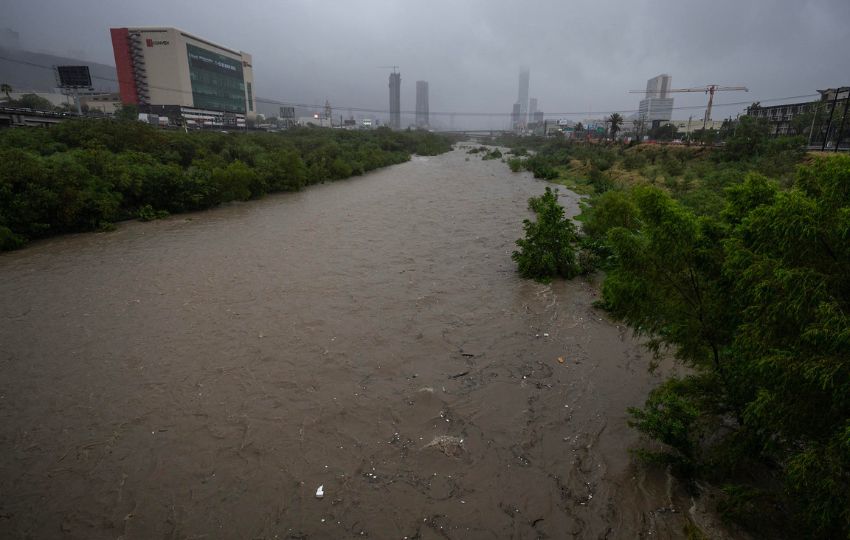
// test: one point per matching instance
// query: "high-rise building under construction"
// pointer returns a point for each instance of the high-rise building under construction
(524, 76)
(656, 107)
(422, 119)
(395, 100)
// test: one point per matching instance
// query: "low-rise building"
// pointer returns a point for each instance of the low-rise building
(694, 124)
(107, 104)
(831, 104)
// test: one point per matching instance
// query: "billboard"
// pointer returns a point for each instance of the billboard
(74, 76)
(217, 80)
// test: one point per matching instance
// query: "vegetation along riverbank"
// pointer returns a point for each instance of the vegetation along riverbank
(736, 260)
(85, 175)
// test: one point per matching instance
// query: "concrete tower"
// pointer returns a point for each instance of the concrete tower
(422, 119)
(524, 76)
(395, 100)
(656, 107)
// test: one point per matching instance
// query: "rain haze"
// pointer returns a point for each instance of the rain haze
(584, 57)
(456, 269)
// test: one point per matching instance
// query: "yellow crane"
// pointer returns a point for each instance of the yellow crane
(709, 89)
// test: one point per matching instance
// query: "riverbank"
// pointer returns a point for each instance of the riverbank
(86, 175)
(206, 375)
(733, 260)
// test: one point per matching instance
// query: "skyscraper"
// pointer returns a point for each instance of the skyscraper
(656, 107)
(395, 100)
(657, 87)
(422, 119)
(532, 107)
(523, 96)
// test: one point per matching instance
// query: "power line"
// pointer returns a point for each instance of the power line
(269, 101)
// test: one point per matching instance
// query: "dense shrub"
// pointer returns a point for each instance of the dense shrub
(515, 164)
(735, 260)
(85, 174)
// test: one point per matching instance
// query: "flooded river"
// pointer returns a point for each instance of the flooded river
(202, 376)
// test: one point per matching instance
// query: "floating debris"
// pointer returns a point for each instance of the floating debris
(450, 446)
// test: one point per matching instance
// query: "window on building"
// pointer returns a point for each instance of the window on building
(250, 98)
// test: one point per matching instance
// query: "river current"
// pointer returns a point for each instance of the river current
(201, 376)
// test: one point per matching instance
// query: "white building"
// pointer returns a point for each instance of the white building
(170, 72)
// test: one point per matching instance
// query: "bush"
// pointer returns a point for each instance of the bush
(670, 416)
(85, 174)
(147, 213)
(599, 180)
(515, 164)
(547, 249)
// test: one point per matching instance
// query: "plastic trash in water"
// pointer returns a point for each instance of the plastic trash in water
(320, 493)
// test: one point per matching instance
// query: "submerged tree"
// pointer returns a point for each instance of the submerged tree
(547, 249)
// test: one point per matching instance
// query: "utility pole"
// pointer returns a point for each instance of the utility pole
(843, 117)
(829, 122)
(812, 129)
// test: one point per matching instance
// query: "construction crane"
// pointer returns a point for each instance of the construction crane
(709, 89)
(394, 68)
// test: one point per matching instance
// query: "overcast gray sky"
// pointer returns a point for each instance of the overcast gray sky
(583, 55)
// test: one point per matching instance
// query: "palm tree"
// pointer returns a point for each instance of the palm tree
(6, 89)
(615, 120)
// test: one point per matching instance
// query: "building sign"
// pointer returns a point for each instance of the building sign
(217, 80)
(150, 42)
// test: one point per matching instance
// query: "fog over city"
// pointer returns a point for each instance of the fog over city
(582, 55)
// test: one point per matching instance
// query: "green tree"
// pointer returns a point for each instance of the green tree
(6, 89)
(615, 121)
(668, 284)
(35, 102)
(747, 141)
(801, 124)
(756, 301)
(547, 249)
(664, 132)
(128, 111)
(789, 257)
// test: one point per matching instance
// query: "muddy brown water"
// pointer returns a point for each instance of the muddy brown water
(201, 376)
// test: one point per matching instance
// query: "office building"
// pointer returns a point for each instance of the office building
(395, 100)
(532, 107)
(191, 80)
(422, 120)
(515, 117)
(656, 108)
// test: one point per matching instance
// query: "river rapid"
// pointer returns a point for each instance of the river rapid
(201, 376)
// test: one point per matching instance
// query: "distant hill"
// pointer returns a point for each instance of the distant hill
(28, 71)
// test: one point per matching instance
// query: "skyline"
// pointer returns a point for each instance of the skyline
(471, 58)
